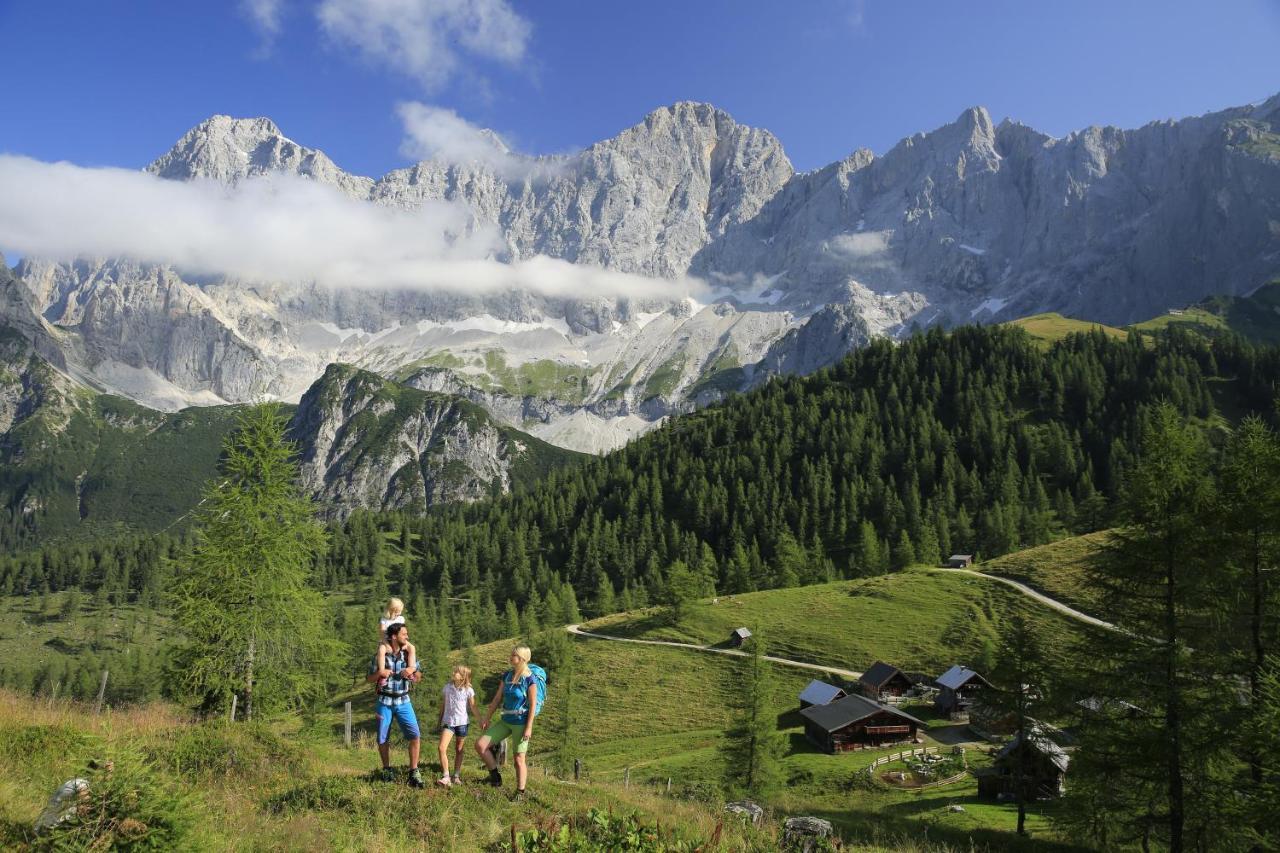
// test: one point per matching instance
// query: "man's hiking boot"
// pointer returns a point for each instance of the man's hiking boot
(495, 778)
(415, 779)
(387, 774)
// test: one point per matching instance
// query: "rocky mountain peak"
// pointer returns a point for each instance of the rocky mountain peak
(230, 149)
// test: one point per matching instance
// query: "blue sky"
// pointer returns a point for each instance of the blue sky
(117, 83)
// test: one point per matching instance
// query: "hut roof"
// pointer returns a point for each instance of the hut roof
(1038, 740)
(880, 673)
(820, 693)
(744, 633)
(843, 712)
(958, 676)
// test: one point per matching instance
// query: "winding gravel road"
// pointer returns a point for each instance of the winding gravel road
(1040, 597)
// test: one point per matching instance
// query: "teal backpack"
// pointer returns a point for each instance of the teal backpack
(540, 679)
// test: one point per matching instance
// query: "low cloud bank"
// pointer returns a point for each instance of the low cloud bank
(280, 228)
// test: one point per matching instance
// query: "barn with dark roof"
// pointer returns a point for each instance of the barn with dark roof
(883, 680)
(856, 722)
(1035, 763)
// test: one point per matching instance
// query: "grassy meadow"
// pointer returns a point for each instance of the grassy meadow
(659, 711)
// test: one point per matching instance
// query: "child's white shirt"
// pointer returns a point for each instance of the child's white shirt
(384, 623)
(455, 704)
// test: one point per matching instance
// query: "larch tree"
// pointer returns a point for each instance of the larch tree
(250, 623)
(1020, 681)
(753, 746)
(1154, 583)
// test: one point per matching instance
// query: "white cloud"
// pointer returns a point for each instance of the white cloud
(280, 228)
(437, 133)
(265, 16)
(423, 38)
(860, 244)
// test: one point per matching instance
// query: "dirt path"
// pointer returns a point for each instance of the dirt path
(813, 667)
(1038, 596)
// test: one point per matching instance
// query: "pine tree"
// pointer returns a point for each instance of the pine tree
(753, 747)
(251, 622)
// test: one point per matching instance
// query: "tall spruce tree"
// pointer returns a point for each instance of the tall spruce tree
(250, 622)
(753, 746)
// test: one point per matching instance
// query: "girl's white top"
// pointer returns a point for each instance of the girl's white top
(384, 623)
(455, 704)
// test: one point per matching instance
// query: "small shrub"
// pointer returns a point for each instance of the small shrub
(32, 743)
(600, 832)
(330, 793)
(215, 748)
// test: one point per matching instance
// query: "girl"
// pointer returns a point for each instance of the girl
(518, 694)
(392, 615)
(455, 712)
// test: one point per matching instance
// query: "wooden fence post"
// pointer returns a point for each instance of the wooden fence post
(515, 844)
(235, 697)
(102, 691)
(668, 786)
(577, 768)
(346, 735)
(54, 697)
(626, 778)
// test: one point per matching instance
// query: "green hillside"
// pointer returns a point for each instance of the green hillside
(921, 620)
(1057, 569)
(1052, 326)
(1256, 318)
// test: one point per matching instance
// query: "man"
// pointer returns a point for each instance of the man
(393, 677)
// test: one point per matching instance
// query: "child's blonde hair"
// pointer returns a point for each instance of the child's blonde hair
(461, 677)
(525, 654)
(394, 608)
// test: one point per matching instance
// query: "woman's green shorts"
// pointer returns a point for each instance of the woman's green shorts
(499, 730)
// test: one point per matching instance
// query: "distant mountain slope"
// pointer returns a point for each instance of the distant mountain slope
(75, 462)
(972, 221)
(1255, 317)
(78, 463)
(368, 442)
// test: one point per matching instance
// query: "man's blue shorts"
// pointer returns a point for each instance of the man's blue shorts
(403, 714)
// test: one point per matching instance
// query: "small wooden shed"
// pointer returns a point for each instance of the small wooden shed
(959, 561)
(856, 722)
(957, 689)
(820, 693)
(883, 680)
(739, 636)
(1034, 763)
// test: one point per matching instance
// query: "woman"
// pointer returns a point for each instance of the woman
(518, 693)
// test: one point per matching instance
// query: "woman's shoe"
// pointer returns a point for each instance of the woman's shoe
(456, 780)
(443, 782)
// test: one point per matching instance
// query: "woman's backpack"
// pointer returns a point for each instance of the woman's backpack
(540, 679)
